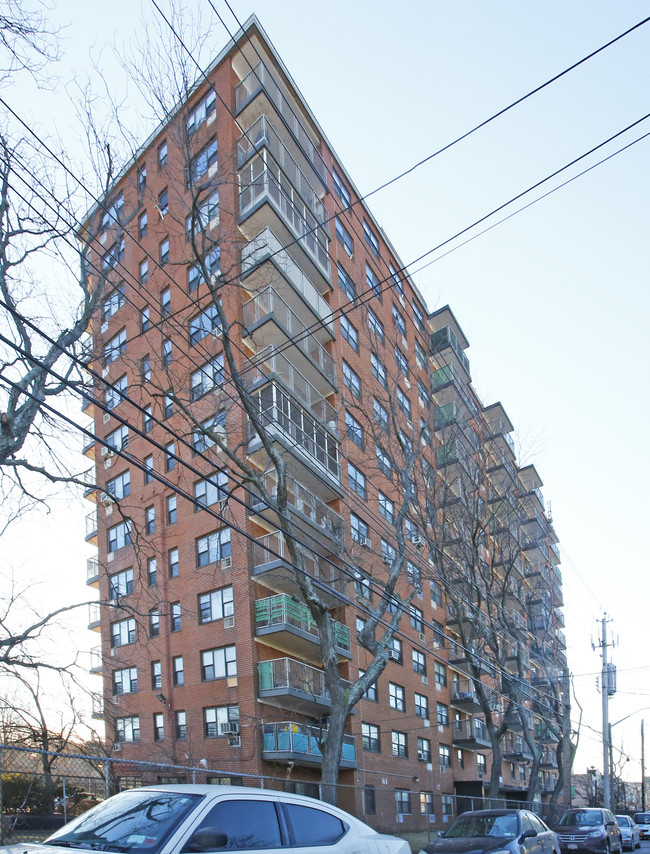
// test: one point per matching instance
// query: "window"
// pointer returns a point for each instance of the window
(402, 801)
(386, 507)
(148, 469)
(204, 323)
(145, 369)
(375, 326)
(369, 805)
(113, 256)
(371, 238)
(395, 279)
(172, 563)
(202, 437)
(142, 177)
(115, 347)
(460, 759)
(166, 302)
(172, 505)
(212, 260)
(424, 750)
(180, 726)
(113, 303)
(206, 107)
(357, 481)
(343, 237)
(178, 671)
(424, 400)
(154, 623)
(152, 571)
(419, 662)
(398, 744)
(163, 203)
(445, 756)
(217, 718)
(164, 252)
(436, 594)
(349, 333)
(383, 463)
(340, 189)
(372, 282)
(113, 395)
(447, 804)
(170, 456)
(351, 381)
(481, 763)
(359, 530)
(417, 618)
(420, 355)
(120, 584)
(206, 378)
(150, 520)
(401, 362)
(371, 693)
(361, 585)
(381, 414)
(426, 803)
(414, 576)
(156, 675)
(127, 729)
(204, 161)
(442, 712)
(145, 322)
(166, 353)
(168, 411)
(213, 547)
(216, 605)
(404, 403)
(421, 706)
(398, 321)
(147, 422)
(218, 663)
(346, 284)
(204, 218)
(370, 738)
(162, 155)
(438, 634)
(396, 697)
(211, 490)
(123, 632)
(158, 727)
(120, 486)
(175, 616)
(418, 316)
(125, 681)
(353, 430)
(441, 674)
(379, 370)
(119, 536)
(397, 651)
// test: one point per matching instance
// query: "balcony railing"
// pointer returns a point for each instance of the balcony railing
(301, 742)
(96, 659)
(94, 614)
(444, 338)
(92, 569)
(291, 677)
(260, 79)
(448, 376)
(284, 610)
(91, 525)
(262, 180)
(515, 746)
(271, 548)
(549, 759)
(471, 730)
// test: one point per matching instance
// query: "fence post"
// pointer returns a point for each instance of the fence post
(107, 777)
(65, 802)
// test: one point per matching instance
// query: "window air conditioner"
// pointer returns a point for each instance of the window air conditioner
(117, 747)
(106, 451)
(365, 542)
(226, 562)
(229, 728)
(394, 654)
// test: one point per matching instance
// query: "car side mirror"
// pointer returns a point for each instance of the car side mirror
(440, 834)
(206, 839)
(528, 834)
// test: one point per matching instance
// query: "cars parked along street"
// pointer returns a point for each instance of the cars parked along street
(642, 819)
(496, 832)
(589, 830)
(630, 833)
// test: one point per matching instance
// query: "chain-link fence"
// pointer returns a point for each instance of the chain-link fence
(40, 791)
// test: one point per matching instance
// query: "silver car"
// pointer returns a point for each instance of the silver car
(630, 833)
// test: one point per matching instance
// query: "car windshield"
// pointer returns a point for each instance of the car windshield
(493, 824)
(642, 818)
(582, 818)
(135, 821)
(623, 820)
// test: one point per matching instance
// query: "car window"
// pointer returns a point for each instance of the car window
(582, 818)
(623, 820)
(308, 826)
(527, 823)
(537, 823)
(249, 824)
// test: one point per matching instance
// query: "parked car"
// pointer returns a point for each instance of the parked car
(195, 818)
(630, 833)
(643, 821)
(589, 829)
(483, 831)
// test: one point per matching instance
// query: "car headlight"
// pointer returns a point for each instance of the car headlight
(595, 834)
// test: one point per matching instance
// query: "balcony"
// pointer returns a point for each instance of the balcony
(91, 528)
(545, 735)
(291, 684)
(88, 449)
(297, 743)
(448, 385)
(287, 625)
(97, 712)
(262, 182)
(96, 664)
(515, 749)
(92, 572)
(94, 616)
(307, 507)
(463, 696)
(535, 548)
(560, 638)
(538, 570)
(445, 341)
(470, 734)
(272, 567)
(549, 759)
(260, 80)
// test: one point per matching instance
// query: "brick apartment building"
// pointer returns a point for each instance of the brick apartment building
(208, 655)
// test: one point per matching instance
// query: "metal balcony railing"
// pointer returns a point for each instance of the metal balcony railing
(271, 547)
(302, 740)
(284, 610)
(91, 525)
(96, 659)
(293, 676)
(92, 568)
(94, 613)
(444, 338)
(470, 729)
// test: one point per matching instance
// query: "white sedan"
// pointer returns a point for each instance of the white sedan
(630, 834)
(195, 819)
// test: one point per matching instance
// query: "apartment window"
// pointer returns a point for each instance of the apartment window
(424, 400)
(154, 623)
(421, 706)
(359, 624)
(372, 282)
(375, 326)
(218, 663)
(216, 605)
(156, 675)
(441, 674)
(120, 486)
(418, 317)
(175, 616)
(172, 509)
(357, 481)
(206, 378)
(414, 576)
(114, 395)
(113, 256)
(159, 727)
(381, 414)
(346, 284)
(404, 403)
(166, 302)
(420, 355)
(379, 370)
(205, 323)
(114, 302)
(127, 729)
(383, 463)
(398, 744)
(213, 547)
(353, 430)
(349, 333)
(162, 155)
(219, 718)
(371, 238)
(173, 563)
(119, 536)
(163, 203)
(522, 773)
(211, 490)
(351, 381)
(152, 571)
(166, 353)
(419, 662)
(168, 408)
(180, 726)
(426, 803)
(204, 161)
(143, 272)
(396, 697)
(445, 756)
(481, 763)
(386, 507)
(402, 802)
(344, 238)
(398, 321)
(202, 437)
(417, 618)
(145, 322)
(438, 634)
(205, 218)
(123, 632)
(145, 369)
(359, 530)
(436, 594)
(142, 177)
(424, 750)
(150, 520)
(148, 469)
(442, 712)
(401, 362)
(164, 252)
(361, 585)
(397, 650)
(115, 347)
(369, 804)
(371, 692)
(395, 279)
(178, 671)
(460, 759)
(340, 189)
(120, 584)
(125, 681)
(447, 804)
(370, 738)
(206, 107)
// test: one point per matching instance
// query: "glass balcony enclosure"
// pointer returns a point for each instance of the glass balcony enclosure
(286, 741)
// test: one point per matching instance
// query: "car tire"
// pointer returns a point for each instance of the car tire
(608, 847)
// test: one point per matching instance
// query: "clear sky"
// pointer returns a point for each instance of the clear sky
(554, 301)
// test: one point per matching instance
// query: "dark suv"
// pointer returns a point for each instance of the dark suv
(589, 829)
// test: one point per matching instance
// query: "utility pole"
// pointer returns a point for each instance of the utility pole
(608, 688)
(642, 767)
